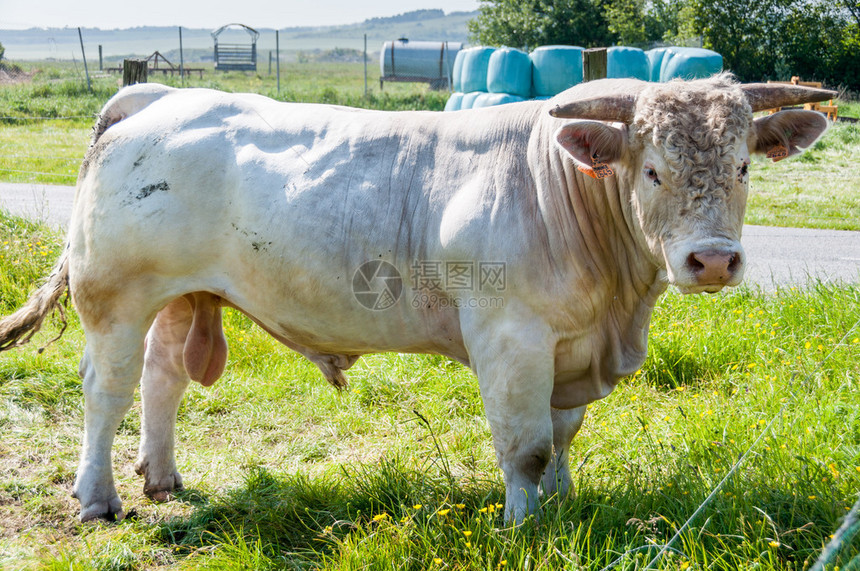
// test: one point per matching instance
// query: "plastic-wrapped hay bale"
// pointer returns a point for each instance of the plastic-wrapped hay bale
(457, 72)
(622, 61)
(468, 100)
(454, 102)
(473, 72)
(690, 63)
(491, 99)
(655, 62)
(510, 71)
(555, 68)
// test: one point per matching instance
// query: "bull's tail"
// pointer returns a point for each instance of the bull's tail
(18, 328)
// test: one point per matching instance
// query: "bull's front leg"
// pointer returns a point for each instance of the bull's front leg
(514, 364)
(565, 424)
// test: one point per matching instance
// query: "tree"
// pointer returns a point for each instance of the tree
(740, 30)
(777, 39)
(2, 51)
(531, 23)
(642, 22)
(853, 8)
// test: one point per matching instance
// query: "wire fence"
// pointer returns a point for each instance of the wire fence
(846, 532)
(9, 162)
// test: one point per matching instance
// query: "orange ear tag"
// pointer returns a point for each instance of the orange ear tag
(598, 170)
(777, 153)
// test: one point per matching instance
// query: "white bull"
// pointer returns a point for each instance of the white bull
(480, 235)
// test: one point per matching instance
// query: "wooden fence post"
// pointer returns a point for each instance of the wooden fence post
(134, 71)
(593, 64)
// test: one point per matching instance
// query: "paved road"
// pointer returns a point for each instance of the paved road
(775, 256)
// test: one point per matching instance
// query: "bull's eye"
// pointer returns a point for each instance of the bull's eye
(651, 175)
(742, 172)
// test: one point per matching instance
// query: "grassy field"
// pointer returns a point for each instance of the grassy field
(820, 189)
(398, 472)
(282, 472)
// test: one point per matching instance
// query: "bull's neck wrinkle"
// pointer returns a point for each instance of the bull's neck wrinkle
(589, 225)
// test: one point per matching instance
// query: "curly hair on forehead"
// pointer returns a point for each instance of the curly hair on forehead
(696, 125)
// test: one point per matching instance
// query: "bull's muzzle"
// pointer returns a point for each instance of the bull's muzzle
(713, 266)
(712, 269)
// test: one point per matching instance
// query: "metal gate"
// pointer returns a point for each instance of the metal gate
(235, 56)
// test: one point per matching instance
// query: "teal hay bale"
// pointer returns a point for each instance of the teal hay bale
(622, 61)
(457, 72)
(690, 63)
(468, 100)
(493, 99)
(555, 68)
(510, 71)
(473, 73)
(655, 62)
(454, 102)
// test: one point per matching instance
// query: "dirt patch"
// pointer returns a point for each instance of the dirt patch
(12, 74)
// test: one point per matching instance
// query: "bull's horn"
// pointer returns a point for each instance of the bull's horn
(762, 96)
(612, 108)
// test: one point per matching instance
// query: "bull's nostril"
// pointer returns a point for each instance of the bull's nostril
(734, 262)
(694, 263)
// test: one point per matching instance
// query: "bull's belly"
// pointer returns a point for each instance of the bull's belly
(335, 321)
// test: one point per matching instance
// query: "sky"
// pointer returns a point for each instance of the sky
(107, 14)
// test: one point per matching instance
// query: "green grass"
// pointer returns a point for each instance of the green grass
(283, 472)
(818, 189)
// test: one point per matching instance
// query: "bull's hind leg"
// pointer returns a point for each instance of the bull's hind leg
(111, 369)
(185, 342)
(162, 385)
(565, 424)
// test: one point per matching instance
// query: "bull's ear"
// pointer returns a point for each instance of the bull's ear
(593, 145)
(788, 132)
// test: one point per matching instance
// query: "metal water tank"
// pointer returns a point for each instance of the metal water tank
(418, 61)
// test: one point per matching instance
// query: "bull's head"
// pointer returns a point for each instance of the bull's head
(683, 151)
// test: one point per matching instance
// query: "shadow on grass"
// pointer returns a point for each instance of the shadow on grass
(414, 518)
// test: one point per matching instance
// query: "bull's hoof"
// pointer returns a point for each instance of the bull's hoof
(102, 511)
(158, 489)
(161, 496)
(164, 489)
